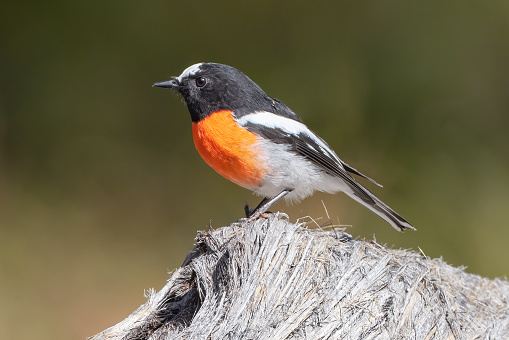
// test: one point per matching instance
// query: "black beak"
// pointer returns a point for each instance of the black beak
(170, 84)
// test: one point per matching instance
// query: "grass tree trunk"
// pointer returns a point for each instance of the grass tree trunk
(271, 279)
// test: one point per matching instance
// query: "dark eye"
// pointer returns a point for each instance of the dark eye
(200, 81)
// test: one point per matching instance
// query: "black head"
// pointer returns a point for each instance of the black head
(210, 87)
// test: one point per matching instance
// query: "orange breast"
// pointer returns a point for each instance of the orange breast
(229, 149)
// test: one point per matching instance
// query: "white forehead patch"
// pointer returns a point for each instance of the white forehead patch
(190, 71)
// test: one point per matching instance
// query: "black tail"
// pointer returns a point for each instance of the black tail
(370, 201)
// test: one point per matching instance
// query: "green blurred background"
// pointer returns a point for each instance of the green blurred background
(102, 192)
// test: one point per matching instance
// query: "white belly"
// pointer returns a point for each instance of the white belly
(290, 171)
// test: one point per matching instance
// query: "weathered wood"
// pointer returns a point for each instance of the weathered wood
(272, 279)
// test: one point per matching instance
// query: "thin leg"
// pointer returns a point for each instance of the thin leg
(250, 212)
(266, 204)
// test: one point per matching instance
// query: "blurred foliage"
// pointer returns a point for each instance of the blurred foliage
(101, 190)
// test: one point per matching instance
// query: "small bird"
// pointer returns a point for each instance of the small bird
(260, 144)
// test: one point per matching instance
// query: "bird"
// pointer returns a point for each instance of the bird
(259, 143)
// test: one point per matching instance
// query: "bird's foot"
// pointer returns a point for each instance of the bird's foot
(265, 215)
(251, 212)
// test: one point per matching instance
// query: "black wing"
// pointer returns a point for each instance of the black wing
(327, 153)
(322, 157)
(309, 145)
